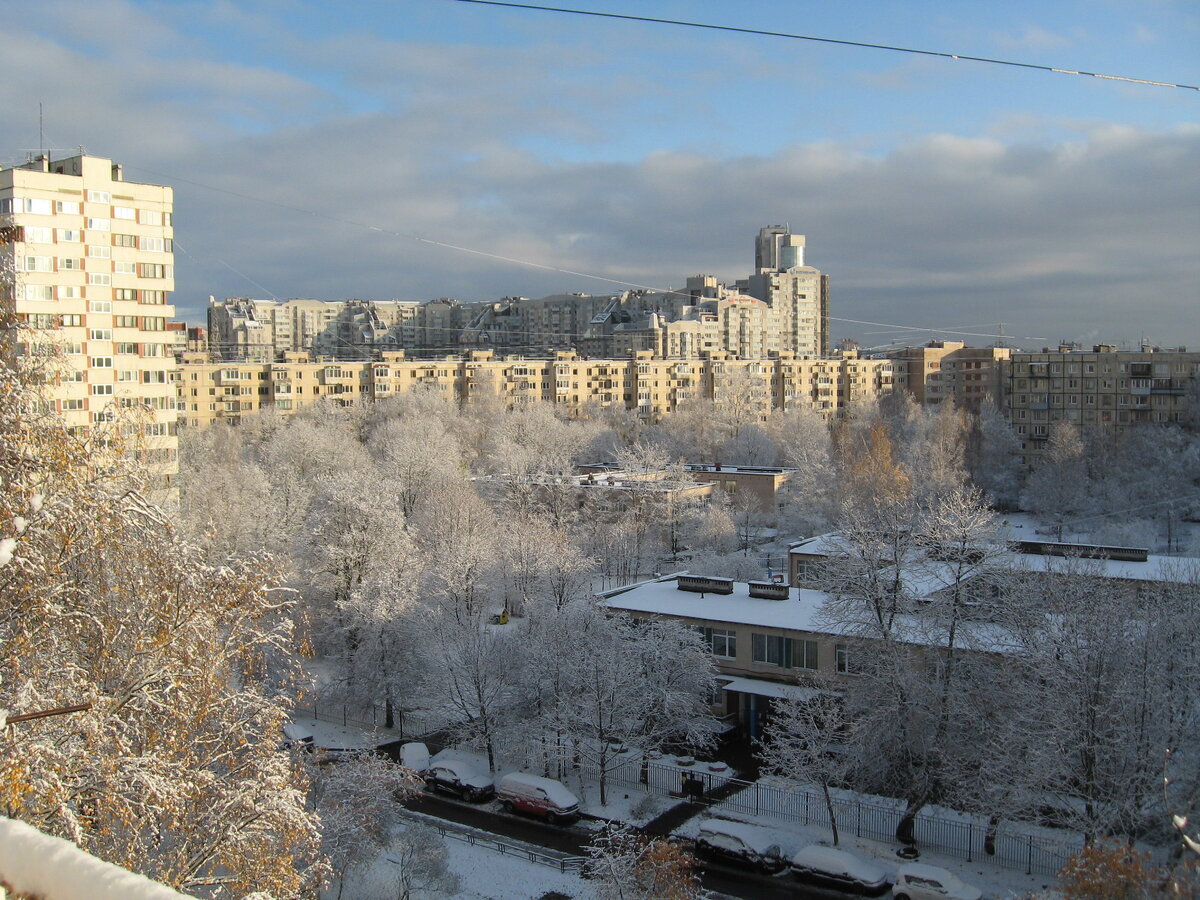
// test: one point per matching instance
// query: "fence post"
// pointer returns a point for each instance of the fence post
(858, 818)
(1029, 854)
(970, 839)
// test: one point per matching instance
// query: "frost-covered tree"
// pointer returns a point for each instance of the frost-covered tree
(358, 800)
(173, 769)
(624, 865)
(634, 685)
(419, 853)
(805, 740)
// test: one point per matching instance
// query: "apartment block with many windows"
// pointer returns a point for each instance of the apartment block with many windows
(94, 272)
(214, 390)
(1104, 388)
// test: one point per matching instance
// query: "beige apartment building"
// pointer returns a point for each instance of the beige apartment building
(214, 390)
(950, 370)
(94, 274)
(1101, 388)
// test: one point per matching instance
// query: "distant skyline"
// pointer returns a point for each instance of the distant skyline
(305, 141)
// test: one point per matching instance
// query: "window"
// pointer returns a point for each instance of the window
(154, 377)
(72, 320)
(124, 240)
(99, 251)
(39, 264)
(768, 648)
(99, 197)
(101, 279)
(100, 306)
(154, 270)
(41, 320)
(72, 405)
(70, 264)
(67, 207)
(844, 662)
(154, 297)
(126, 348)
(69, 236)
(124, 212)
(152, 244)
(126, 294)
(149, 217)
(39, 292)
(803, 654)
(72, 376)
(102, 390)
(124, 268)
(125, 321)
(100, 334)
(127, 375)
(721, 641)
(33, 205)
(101, 362)
(153, 350)
(37, 235)
(97, 224)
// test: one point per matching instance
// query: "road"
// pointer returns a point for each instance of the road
(574, 840)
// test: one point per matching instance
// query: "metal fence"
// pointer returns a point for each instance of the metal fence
(409, 724)
(968, 838)
(562, 862)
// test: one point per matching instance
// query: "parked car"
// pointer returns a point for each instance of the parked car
(460, 778)
(832, 867)
(917, 881)
(538, 796)
(414, 755)
(739, 844)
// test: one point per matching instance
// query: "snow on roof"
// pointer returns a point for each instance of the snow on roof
(38, 865)
(829, 544)
(761, 839)
(836, 861)
(663, 597)
(556, 792)
(770, 688)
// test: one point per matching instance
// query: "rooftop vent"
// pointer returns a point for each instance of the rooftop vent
(769, 590)
(1086, 551)
(702, 584)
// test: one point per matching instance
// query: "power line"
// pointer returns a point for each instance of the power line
(824, 40)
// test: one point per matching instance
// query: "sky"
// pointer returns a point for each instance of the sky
(334, 150)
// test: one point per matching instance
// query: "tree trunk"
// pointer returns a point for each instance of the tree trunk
(832, 814)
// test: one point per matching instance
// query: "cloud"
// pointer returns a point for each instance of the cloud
(311, 174)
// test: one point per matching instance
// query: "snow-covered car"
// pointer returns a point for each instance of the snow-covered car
(917, 881)
(740, 844)
(460, 778)
(833, 867)
(414, 755)
(545, 797)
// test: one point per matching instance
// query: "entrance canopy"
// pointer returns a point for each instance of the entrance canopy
(770, 689)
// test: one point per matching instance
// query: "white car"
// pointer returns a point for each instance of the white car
(917, 881)
(840, 869)
(740, 844)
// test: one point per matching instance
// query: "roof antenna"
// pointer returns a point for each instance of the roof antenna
(41, 131)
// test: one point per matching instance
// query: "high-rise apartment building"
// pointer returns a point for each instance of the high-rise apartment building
(94, 272)
(799, 294)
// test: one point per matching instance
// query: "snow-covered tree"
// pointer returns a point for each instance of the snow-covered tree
(419, 853)
(358, 800)
(806, 740)
(624, 865)
(173, 768)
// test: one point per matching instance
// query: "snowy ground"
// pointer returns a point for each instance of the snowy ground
(326, 735)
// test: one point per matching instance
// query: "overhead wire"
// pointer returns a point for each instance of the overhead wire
(826, 40)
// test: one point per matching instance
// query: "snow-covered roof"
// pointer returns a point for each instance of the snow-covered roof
(663, 597)
(758, 838)
(769, 688)
(830, 544)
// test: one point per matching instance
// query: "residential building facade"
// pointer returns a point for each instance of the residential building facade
(1099, 389)
(950, 370)
(94, 262)
(211, 389)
